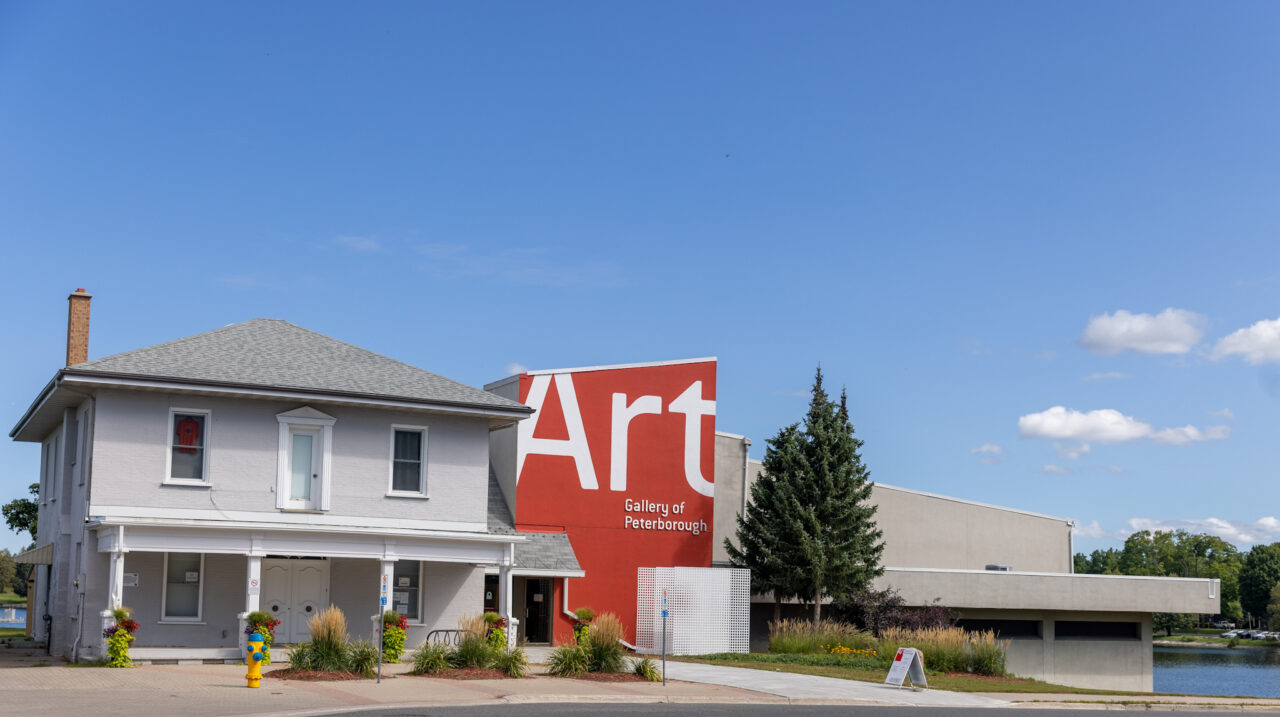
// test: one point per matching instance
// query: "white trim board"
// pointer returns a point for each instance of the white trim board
(305, 396)
(111, 514)
(538, 572)
(610, 367)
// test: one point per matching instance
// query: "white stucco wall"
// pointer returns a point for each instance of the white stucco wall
(131, 450)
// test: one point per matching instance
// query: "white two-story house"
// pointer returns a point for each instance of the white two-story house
(258, 466)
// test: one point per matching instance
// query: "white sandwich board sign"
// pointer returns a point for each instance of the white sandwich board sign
(908, 663)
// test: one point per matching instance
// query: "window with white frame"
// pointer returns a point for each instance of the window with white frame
(188, 446)
(183, 586)
(407, 593)
(408, 461)
(305, 458)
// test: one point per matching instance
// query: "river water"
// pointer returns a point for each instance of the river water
(1209, 671)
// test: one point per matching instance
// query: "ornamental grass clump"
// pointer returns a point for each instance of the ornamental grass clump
(948, 649)
(331, 650)
(803, 637)
(604, 646)
(476, 649)
(647, 669)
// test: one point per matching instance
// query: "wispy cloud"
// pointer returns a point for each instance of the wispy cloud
(1108, 469)
(1262, 530)
(358, 243)
(1108, 425)
(1106, 376)
(547, 268)
(1055, 470)
(1224, 414)
(1172, 331)
(1071, 451)
(515, 368)
(1093, 530)
(992, 448)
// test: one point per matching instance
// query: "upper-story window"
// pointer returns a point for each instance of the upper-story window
(408, 461)
(188, 446)
(305, 459)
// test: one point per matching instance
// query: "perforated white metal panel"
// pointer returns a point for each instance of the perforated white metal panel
(709, 610)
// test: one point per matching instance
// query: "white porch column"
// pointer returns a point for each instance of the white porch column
(115, 594)
(504, 595)
(252, 596)
(253, 583)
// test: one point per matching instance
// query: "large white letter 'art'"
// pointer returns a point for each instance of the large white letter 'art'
(575, 446)
(694, 407)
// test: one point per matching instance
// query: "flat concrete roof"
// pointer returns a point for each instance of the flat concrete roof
(996, 590)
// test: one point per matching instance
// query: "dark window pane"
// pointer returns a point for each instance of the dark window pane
(182, 585)
(404, 476)
(408, 446)
(1004, 629)
(1096, 629)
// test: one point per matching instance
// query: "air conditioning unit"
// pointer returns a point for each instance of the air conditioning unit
(1000, 568)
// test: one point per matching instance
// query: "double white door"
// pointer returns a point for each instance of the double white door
(294, 591)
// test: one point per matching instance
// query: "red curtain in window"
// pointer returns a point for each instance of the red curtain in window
(188, 431)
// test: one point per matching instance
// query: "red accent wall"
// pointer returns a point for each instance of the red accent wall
(550, 493)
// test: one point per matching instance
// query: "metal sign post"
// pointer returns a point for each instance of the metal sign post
(664, 638)
(379, 624)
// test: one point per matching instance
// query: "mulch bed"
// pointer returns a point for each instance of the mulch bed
(313, 675)
(611, 677)
(470, 673)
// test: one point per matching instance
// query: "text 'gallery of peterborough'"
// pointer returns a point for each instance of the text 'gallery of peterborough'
(262, 466)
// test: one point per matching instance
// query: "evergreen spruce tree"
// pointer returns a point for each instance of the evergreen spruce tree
(837, 541)
(766, 548)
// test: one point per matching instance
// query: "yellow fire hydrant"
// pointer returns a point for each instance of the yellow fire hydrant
(254, 659)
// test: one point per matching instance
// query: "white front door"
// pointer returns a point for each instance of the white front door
(294, 591)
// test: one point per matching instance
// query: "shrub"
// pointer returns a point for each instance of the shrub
(263, 623)
(362, 658)
(603, 646)
(513, 662)
(472, 651)
(647, 669)
(568, 661)
(491, 617)
(431, 659)
(584, 614)
(300, 656)
(879, 610)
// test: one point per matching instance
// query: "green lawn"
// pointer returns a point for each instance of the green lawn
(12, 599)
(1214, 640)
(952, 681)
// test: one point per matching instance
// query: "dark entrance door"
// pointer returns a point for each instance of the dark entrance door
(537, 609)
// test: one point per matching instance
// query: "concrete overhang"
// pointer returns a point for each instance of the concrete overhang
(1052, 591)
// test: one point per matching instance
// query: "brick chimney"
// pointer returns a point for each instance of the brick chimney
(78, 326)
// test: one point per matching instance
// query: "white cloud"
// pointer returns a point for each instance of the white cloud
(992, 448)
(1106, 376)
(1262, 530)
(1106, 425)
(1055, 470)
(1071, 451)
(515, 368)
(1092, 530)
(1172, 331)
(1109, 469)
(358, 243)
(1224, 414)
(1259, 343)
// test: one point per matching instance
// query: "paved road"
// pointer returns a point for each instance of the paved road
(668, 710)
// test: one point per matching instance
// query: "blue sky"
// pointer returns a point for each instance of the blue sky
(946, 204)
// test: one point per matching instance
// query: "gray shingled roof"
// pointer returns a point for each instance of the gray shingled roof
(277, 354)
(541, 551)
